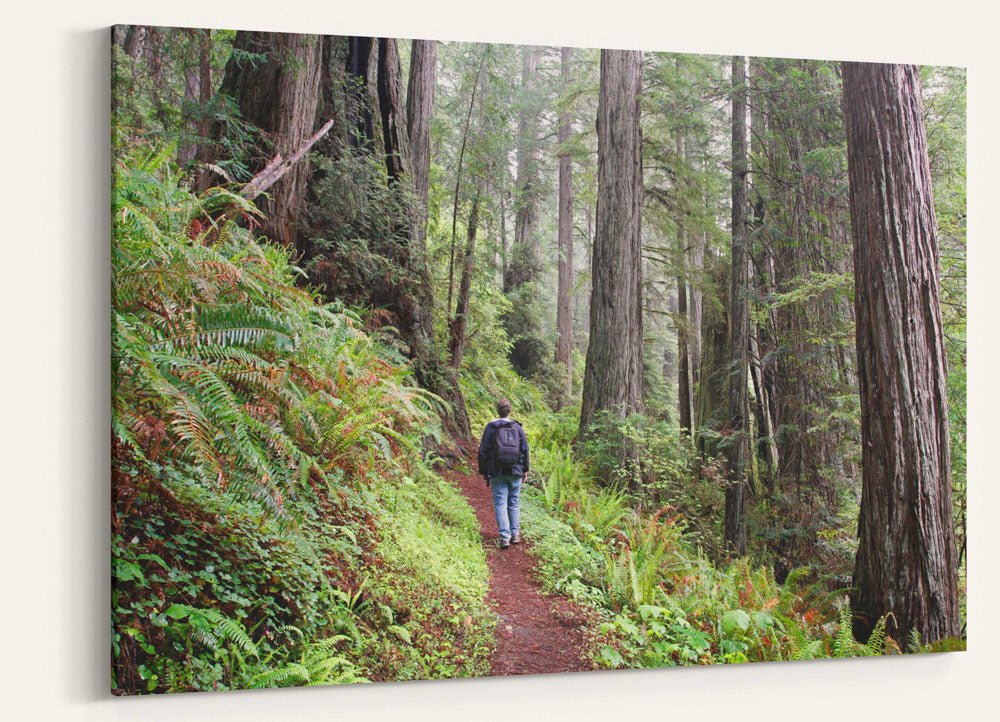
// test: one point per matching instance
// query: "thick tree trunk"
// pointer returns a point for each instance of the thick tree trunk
(395, 138)
(278, 95)
(187, 149)
(376, 97)
(419, 110)
(906, 562)
(739, 324)
(203, 153)
(564, 311)
(133, 40)
(613, 377)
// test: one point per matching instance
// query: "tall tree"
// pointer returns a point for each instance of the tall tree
(374, 83)
(419, 110)
(458, 324)
(456, 198)
(612, 379)
(805, 335)
(906, 562)
(197, 100)
(763, 382)
(739, 322)
(187, 148)
(807, 229)
(395, 135)
(564, 311)
(712, 394)
(278, 95)
(683, 319)
(524, 264)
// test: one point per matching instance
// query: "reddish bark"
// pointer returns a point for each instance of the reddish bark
(906, 562)
(613, 377)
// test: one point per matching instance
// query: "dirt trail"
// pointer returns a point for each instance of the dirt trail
(537, 633)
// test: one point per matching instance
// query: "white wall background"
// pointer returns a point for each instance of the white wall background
(54, 391)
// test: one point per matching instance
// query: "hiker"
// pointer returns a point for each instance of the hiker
(503, 462)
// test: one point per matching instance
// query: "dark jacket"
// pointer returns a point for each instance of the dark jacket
(487, 456)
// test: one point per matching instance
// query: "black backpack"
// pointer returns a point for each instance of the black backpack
(508, 446)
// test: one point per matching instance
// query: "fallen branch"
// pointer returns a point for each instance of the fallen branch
(278, 166)
(209, 224)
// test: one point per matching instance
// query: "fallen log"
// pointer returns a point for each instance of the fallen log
(208, 226)
(278, 166)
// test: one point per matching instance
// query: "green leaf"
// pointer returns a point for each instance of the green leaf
(155, 558)
(735, 618)
(401, 632)
(647, 611)
(178, 611)
(612, 657)
(127, 571)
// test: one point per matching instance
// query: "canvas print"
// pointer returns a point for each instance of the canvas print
(448, 359)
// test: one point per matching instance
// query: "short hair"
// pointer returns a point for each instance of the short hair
(503, 407)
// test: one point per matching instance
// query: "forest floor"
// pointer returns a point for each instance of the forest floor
(536, 633)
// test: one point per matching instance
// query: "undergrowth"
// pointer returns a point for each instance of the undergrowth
(274, 522)
(661, 599)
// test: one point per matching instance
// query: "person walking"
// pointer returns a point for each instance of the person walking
(503, 462)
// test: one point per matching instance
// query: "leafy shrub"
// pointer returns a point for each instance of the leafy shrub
(482, 387)
(662, 601)
(258, 438)
(672, 472)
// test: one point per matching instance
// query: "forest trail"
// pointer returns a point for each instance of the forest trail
(536, 633)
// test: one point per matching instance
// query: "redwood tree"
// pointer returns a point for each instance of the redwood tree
(906, 562)
(419, 110)
(521, 276)
(278, 95)
(739, 322)
(394, 263)
(564, 312)
(684, 386)
(612, 379)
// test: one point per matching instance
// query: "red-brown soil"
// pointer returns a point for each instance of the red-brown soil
(537, 633)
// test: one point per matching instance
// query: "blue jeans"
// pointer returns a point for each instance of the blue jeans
(507, 504)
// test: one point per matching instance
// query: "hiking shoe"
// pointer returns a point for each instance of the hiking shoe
(504, 543)
(515, 539)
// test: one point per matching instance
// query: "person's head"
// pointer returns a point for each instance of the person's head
(503, 408)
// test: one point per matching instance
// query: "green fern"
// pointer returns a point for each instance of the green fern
(876, 643)
(844, 644)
